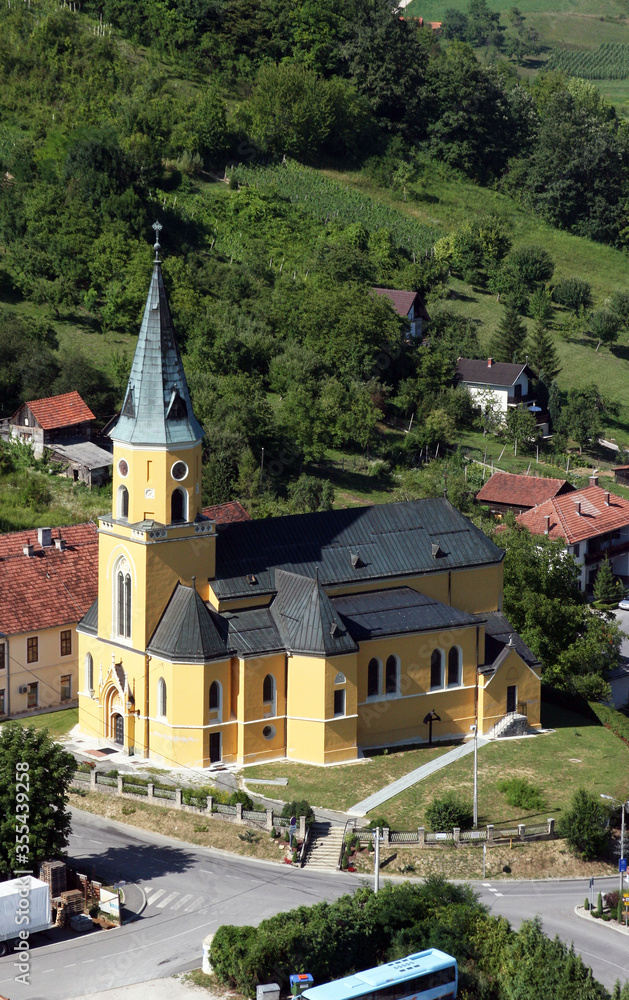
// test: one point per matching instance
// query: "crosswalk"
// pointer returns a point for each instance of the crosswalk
(159, 900)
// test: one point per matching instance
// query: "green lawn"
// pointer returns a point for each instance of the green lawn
(57, 723)
(341, 786)
(578, 753)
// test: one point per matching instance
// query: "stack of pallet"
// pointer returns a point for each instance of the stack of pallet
(55, 875)
(72, 901)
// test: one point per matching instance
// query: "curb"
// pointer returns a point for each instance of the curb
(580, 912)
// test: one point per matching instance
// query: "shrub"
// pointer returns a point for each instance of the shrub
(521, 794)
(573, 293)
(586, 905)
(300, 808)
(585, 825)
(599, 905)
(127, 809)
(380, 823)
(448, 812)
(240, 796)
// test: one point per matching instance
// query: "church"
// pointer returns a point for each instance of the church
(310, 637)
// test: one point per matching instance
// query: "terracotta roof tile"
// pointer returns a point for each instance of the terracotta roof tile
(51, 587)
(596, 516)
(401, 301)
(60, 411)
(227, 513)
(525, 491)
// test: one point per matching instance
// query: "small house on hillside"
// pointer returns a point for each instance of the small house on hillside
(505, 491)
(500, 385)
(410, 306)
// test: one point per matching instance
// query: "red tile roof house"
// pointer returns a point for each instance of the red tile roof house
(592, 523)
(505, 491)
(408, 305)
(499, 384)
(46, 422)
(48, 582)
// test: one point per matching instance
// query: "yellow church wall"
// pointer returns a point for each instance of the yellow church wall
(313, 732)
(150, 483)
(493, 699)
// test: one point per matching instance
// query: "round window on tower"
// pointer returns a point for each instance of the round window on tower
(123, 468)
(179, 471)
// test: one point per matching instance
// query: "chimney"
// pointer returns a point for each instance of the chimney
(28, 548)
(607, 503)
(593, 480)
(490, 362)
(44, 537)
(547, 524)
(578, 507)
(60, 544)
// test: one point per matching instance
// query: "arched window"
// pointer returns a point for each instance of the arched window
(215, 702)
(89, 673)
(454, 667)
(161, 697)
(436, 669)
(123, 503)
(123, 599)
(268, 695)
(178, 505)
(373, 678)
(392, 676)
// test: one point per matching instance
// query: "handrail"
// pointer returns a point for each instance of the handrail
(350, 824)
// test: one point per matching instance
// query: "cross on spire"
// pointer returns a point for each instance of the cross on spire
(157, 226)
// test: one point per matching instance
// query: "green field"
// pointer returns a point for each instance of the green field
(433, 10)
(57, 723)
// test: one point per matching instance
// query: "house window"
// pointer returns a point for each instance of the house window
(3, 661)
(454, 667)
(576, 549)
(339, 702)
(66, 642)
(3, 710)
(89, 673)
(32, 695)
(32, 649)
(268, 695)
(65, 687)
(436, 669)
(215, 701)
(161, 697)
(373, 678)
(392, 676)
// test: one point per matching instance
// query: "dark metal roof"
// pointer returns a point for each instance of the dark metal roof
(395, 611)
(253, 631)
(498, 373)
(89, 621)
(188, 631)
(157, 408)
(306, 619)
(391, 540)
(498, 631)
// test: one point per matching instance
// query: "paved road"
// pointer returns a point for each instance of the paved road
(188, 892)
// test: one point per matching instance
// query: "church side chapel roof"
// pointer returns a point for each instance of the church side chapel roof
(157, 375)
(253, 631)
(349, 545)
(188, 631)
(306, 619)
(498, 633)
(89, 621)
(395, 611)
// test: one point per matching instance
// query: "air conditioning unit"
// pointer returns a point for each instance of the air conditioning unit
(23, 689)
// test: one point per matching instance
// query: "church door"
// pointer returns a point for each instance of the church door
(215, 747)
(512, 698)
(119, 729)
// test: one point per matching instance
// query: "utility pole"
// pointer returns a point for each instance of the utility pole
(376, 844)
(475, 728)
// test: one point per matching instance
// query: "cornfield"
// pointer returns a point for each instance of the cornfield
(326, 200)
(610, 61)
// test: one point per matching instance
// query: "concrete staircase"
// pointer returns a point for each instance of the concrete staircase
(512, 724)
(325, 846)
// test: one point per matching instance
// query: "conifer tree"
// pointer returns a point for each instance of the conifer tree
(606, 588)
(509, 339)
(542, 353)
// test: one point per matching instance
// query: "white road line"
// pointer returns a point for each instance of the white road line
(198, 900)
(487, 885)
(72, 965)
(167, 900)
(153, 899)
(86, 961)
(498, 893)
(180, 902)
(206, 872)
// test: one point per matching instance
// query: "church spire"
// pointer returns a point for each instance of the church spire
(157, 408)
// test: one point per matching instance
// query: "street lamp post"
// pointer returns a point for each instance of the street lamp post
(622, 832)
(475, 728)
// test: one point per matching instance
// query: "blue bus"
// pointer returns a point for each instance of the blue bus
(426, 975)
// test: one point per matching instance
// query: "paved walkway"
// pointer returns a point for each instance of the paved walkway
(157, 989)
(389, 791)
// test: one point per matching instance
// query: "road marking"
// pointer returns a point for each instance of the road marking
(198, 900)
(498, 893)
(87, 960)
(180, 902)
(487, 885)
(153, 899)
(43, 972)
(167, 900)
(206, 872)
(70, 966)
